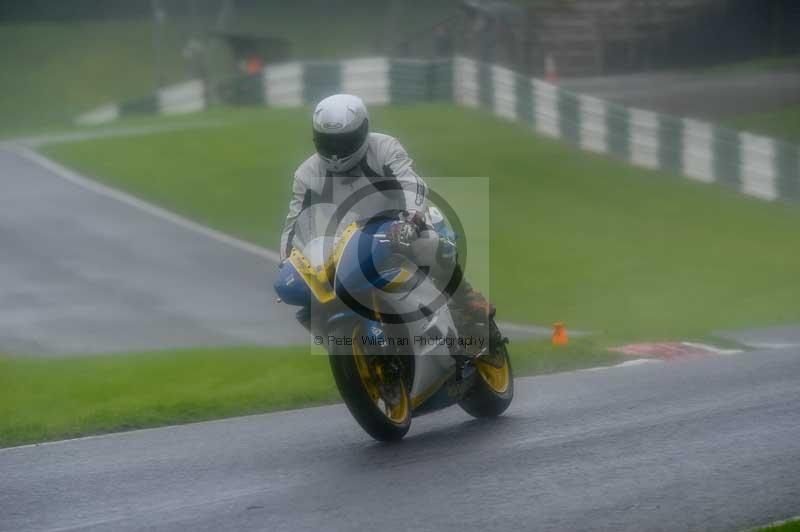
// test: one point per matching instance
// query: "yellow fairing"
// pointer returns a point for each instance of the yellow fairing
(321, 289)
(320, 280)
(496, 378)
(401, 277)
(396, 413)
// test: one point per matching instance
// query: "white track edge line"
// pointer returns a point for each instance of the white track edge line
(160, 427)
(626, 364)
(713, 349)
(772, 345)
(774, 524)
(149, 208)
(635, 362)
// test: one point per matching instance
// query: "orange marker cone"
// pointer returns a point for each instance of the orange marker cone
(560, 334)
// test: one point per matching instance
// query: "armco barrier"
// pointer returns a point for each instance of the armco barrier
(754, 165)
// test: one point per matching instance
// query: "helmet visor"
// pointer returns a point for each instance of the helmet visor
(340, 145)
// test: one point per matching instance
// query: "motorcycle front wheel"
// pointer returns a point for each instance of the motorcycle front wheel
(493, 390)
(374, 394)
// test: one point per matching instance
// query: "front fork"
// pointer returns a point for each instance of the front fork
(375, 333)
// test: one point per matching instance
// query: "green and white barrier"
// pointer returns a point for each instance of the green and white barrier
(370, 78)
(186, 97)
(377, 80)
(100, 115)
(283, 85)
(755, 165)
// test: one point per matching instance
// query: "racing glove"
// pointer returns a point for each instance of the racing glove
(401, 234)
(406, 230)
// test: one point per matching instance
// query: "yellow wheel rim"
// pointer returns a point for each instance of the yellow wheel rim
(496, 378)
(397, 413)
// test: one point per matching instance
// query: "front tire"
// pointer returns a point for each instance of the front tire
(363, 392)
(493, 390)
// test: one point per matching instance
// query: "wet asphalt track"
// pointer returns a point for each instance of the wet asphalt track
(82, 272)
(687, 94)
(709, 444)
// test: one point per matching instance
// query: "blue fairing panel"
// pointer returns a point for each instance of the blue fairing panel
(290, 287)
(359, 267)
(443, 230)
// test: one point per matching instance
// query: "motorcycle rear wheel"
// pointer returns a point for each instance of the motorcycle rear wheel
(493, 390)
(361, 390)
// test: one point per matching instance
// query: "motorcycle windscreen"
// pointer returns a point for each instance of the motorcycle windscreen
(314, 233)
(361, 265)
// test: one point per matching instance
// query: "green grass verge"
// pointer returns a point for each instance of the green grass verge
(47, 399)
(44, 399)
(783, 124)
(573, 237)
(791, 526)
(53, 71)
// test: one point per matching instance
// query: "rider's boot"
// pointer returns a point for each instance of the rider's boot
(472, 314)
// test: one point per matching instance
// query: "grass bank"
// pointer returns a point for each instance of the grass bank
(789, 526)
(53, 71)
(783, 124)
(48, 399)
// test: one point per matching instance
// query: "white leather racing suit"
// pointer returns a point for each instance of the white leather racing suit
(385, 160)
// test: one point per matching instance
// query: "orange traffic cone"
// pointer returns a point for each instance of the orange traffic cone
(560, 334)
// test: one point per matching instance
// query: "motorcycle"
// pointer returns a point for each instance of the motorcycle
(392, 343)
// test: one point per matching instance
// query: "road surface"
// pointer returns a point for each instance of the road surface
(703, 96)
(709, 444)
(82, 272)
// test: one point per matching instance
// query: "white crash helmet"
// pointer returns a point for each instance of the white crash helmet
(341, 127)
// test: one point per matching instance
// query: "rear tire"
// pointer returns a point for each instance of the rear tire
(493, 390)
(352, 387)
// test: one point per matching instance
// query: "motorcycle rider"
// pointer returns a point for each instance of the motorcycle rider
(350, 157)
